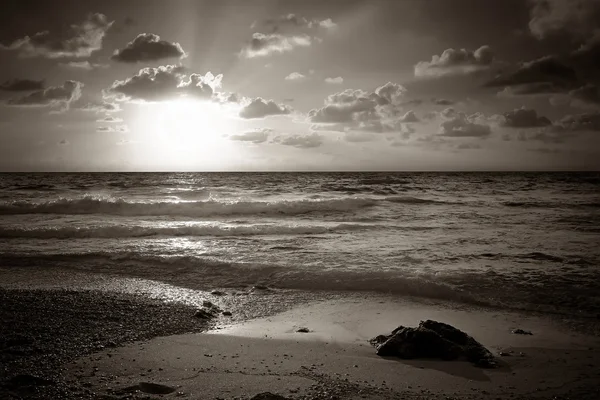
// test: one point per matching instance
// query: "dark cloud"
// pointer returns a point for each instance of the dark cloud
(461, 125)
(300, 141)
(587, 56)
(455, 62)
(266, 44)
(64, 142)
(588, 94)
(524, 118)
(546, 72)
(79, 41)
(22, 85)
(256, 136)
(164, 83)
(54, 96)
(579, 122)
(148, 47)
(530, 89)
(260, 108)
(578, 18)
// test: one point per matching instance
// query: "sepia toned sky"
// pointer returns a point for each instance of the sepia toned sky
(299, 85)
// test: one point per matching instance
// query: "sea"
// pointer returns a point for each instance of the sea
(528, 241)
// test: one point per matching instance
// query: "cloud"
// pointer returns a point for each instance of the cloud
(101, 107)
(295, 76)
(164, 83)
(117, 128)
(287, 21)
(442, 102)
(256, 136)
(410, 116)
(580, 122)
(587, 95)
(262, 45)
(575, 17)
(335, 81)
(148, 47)
(524, 118)
(22, 85)
(355, 106)
(79, 41)
(546, 73)
(261, 108)
(461, 125)
(64, 142)
(530, 89)
(54, 96)
(109, 119)
(300, 141)
(83, 65)
(587, 56)
(455, 62)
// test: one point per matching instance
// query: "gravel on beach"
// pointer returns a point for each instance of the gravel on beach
(41, 330)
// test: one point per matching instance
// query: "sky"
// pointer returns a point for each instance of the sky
(403, 85)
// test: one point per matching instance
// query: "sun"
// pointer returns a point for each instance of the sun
(188, 133)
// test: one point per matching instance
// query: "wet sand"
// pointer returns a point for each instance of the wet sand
(334, 360)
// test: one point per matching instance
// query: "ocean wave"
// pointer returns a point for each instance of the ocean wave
(92, 205)
(542, 292)
(124, 231)
(414, 200)
(197, 272)
(546, 204)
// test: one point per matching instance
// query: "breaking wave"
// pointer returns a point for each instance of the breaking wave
(89, 205)
(123, 231)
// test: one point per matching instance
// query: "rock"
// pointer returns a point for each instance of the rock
(521, 332)
(155, 388)
(432, 339)
(227, 313)
(204, 314)
(218, 293)
(207, 304)
(268, 396)
(303, 330)
(23, 380)
(260, 287)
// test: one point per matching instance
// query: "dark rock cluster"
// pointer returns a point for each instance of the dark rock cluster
(432, 339)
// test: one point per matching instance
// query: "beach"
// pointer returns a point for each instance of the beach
(113, 283)
(134, 341)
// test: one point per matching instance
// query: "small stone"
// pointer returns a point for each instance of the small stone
(521, 332)
(227, 313)
(303, 330)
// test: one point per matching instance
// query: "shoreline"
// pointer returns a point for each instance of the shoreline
(150, 322)
(334, 360)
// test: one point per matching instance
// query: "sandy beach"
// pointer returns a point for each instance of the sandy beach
(333, 360)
